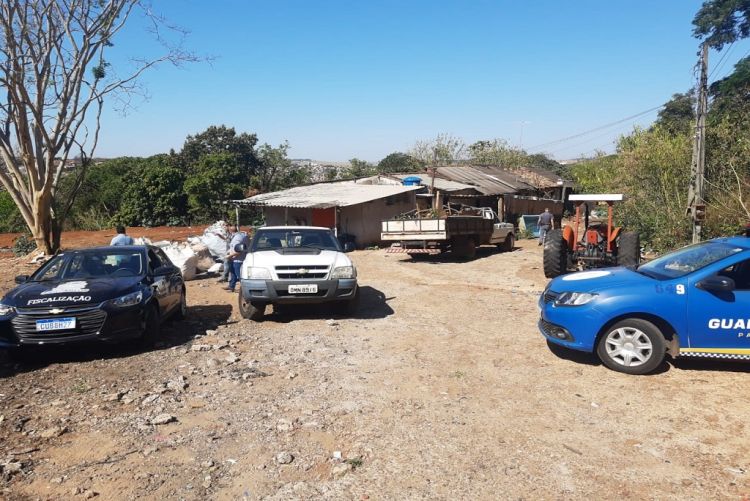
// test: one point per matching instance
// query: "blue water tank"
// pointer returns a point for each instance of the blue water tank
(411, 181)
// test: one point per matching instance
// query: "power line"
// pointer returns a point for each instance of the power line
(596, 129)
(722, 61)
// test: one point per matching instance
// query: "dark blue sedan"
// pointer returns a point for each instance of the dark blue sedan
(107, 294)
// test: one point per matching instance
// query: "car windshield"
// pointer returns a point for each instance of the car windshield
(687, 260)
(91, 264)
(289, 240)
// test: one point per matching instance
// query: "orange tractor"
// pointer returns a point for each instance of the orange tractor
(601, 243)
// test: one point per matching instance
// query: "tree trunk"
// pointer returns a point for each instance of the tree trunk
(43, 223)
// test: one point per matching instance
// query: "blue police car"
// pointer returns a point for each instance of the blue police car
(691, 302)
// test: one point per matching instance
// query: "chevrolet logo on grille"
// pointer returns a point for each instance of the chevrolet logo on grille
(55, 311)
(302, 271)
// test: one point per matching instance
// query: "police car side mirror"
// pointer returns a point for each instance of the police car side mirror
(22, 279)
(240, 248)
(716, 283)
(164, 270)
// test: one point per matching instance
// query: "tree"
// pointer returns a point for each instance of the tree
(721, 22)
(678, 114)
(55, 77)
(155, 196)
(276, 171)
(400, 162)
(443, 150)
(216, 178)
(222, 139)
(497, 152)
(359, 168)
(102, 192)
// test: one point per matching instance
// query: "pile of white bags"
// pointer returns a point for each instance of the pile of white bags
(183, 257)
(216, 238)
(198, 254)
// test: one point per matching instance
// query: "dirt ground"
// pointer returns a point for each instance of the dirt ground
(440, 387)
(73, 239)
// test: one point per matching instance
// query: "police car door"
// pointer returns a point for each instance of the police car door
(719, 320)
(160, 283)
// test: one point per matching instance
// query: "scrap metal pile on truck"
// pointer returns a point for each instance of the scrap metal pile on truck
(459, 231)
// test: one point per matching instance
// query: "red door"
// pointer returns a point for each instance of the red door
(324, 217)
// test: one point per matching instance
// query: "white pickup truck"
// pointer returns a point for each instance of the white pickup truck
(296, 265)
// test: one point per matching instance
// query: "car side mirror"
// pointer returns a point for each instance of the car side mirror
(349, 246)
(240, 248)
(22, 279)
(716, 283)
(164, 270)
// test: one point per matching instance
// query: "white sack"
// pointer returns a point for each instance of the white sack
(216, 238)
(184, 258)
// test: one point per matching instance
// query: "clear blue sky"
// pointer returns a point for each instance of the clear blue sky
(343, 79)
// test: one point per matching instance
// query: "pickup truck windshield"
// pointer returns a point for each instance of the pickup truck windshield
(687, 260)
(283, 239)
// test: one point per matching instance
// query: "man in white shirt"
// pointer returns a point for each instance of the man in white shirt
(121, 238)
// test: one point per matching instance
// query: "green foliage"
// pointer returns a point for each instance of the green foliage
(215, 178)
(359, 168)
(221, 139)
(276, 171)
(155, 196)
(22, 245)
(445, 149)
(721, 22)
(11, 220)
(731, 95)
(497, 152)
(400, 162)
(102, 191)
(652, 168)
(678, 114)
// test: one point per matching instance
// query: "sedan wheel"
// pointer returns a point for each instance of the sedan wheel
(633, 346)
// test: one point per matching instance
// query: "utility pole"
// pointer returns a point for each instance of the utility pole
(696, 202)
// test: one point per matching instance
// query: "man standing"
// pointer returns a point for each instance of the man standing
(227, 263)
(121, 238)
(545, 223)
(237, 257)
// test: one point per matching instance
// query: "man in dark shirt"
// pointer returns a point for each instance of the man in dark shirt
(545, 223)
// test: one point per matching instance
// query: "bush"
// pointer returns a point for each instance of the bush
(22, 245)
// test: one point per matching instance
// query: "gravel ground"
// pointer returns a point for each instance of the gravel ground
(439, 388)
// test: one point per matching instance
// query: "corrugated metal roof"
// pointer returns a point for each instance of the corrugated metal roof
(326, 195)
(484, 181)
(440, 183)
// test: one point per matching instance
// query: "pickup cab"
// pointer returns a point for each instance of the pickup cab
(296, 265)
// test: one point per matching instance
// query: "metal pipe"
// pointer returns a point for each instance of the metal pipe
(609, 226)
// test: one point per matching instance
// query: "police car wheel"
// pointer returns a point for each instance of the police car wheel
(182, 310)
(632, 346)
(151, 327)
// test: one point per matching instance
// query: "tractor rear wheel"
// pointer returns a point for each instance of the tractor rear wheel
(629, 249)
(555, 254)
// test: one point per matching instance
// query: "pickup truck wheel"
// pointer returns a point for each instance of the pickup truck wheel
(464, 247)
(251, 311)
(509, 243)
(632, 346)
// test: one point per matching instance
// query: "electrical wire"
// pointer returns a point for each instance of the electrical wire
(596, 129)
(722, 60)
